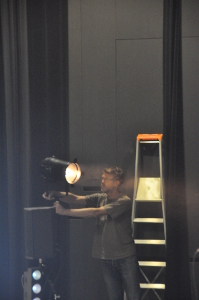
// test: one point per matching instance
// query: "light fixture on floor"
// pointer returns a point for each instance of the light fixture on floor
(33, 284)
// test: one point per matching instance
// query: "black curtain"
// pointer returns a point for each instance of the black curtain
(33, 119)
(177, 258)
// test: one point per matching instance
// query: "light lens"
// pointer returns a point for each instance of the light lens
(72, 173)
(37, 298)
(36, 275)
(36, 288)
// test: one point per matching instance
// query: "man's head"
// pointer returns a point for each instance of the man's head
(112, 178)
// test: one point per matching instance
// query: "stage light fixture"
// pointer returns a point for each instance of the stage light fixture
(54, 169)
(33, 284)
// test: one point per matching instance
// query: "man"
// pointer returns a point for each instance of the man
(113, 242)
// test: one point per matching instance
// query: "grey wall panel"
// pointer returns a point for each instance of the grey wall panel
(191, 105)
(75, 79)
(139, 94)
(92, 81)
(191, 134)
(98, 81)
(190, 17)
(139, 19)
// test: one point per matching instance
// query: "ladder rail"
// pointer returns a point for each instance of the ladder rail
(135, 188)
(162, 189)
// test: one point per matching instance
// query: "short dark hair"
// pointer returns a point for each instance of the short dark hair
(117, 172)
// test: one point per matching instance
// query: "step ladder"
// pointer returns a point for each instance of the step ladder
(149, 191)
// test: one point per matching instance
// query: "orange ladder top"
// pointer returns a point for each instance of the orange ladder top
(150, 137)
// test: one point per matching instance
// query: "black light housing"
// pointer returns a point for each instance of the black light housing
(54, 169)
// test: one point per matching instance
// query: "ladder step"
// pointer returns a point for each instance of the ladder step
(148, 200)
(149, 189)
(150, 242)
(148, 220)
(152, 286)
(149, 142)
(152, 263)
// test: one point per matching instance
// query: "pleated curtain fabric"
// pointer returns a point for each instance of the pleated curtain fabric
(177, 254)
(33, 119)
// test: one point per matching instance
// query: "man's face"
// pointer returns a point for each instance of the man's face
(109, 183)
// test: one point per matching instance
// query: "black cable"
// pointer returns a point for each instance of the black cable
(55, 260)
(50, 272)
(52, 290)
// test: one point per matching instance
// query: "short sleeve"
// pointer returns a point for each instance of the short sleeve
(118, 207)
(92, 200)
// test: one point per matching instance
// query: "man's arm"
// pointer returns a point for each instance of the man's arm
(81, 212)
(70, 198)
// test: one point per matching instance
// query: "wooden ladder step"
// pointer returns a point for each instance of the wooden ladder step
(160, 286)
(148, 200)
(152, 263)
(149, 242)
(148, 220)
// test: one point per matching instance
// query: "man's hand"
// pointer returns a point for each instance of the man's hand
(52, 195)
(59, 208)
(64, 197)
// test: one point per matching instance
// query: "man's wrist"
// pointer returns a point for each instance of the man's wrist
(62, 194)
(65, 212)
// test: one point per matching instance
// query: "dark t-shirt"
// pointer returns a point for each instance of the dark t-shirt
(113, 233)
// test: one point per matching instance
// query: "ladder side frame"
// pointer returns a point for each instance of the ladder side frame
(162, 189)
(135, 187)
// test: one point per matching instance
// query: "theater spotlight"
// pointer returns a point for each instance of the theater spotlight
(54, 169)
